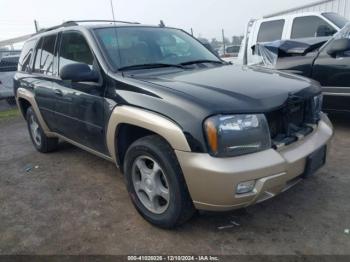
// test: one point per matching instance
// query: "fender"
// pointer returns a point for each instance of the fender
(154, 122)
(29, 96)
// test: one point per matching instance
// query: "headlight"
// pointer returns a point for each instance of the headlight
(234, 135)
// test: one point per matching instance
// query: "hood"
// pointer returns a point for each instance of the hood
(232, 88)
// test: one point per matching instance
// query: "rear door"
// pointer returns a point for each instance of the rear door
(333, 72)
(44, 74)
(80, 106)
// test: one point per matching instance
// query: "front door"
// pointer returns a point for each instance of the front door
(80, 106)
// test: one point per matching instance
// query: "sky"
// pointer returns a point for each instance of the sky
(206, 17)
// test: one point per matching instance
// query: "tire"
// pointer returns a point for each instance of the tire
(11, 101)
(179, 207)
(41, 142)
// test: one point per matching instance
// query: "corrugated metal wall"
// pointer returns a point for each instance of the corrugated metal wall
(341, 7)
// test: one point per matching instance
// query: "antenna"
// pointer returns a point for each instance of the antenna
(112, 7)
(116, 35)
(36, 25)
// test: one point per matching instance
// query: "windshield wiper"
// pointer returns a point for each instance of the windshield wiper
(149, 66)
(202, 61)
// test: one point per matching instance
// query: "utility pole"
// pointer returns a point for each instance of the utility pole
(36, 25)
(191, 31)
(223, 41)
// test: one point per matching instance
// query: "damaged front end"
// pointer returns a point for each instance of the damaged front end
(269, 54)
(296, 119)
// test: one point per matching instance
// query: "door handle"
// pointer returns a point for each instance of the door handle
(58, 92)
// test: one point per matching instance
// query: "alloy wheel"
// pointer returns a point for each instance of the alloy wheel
(150, 184)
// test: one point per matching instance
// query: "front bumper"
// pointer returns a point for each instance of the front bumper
(212, 181)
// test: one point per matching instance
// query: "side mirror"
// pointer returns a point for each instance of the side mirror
(78, 72)
(338, 46)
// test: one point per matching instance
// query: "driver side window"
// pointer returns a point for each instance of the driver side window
(75, 49)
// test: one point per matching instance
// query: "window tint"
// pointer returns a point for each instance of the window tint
(26, 55)
(44, 57)
(47, 55)
(38, 52)
(271, 31)
(311, 26)
(74, 49)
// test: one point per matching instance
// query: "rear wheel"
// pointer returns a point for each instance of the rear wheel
(41, 142)
(156, 184)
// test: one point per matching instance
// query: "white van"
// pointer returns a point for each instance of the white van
(295, 26)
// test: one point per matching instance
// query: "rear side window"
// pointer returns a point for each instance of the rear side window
(26, 55)
(74, 49)
(271, 31)
(44, 57)
(311, 26)
(38, 51)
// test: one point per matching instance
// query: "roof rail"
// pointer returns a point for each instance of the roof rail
(65, 24)
(76, 22)
(101, 21)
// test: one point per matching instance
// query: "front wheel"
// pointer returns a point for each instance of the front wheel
(41, 142)
(156, 184)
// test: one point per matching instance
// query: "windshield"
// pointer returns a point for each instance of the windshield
(336, 19)
(132, 46)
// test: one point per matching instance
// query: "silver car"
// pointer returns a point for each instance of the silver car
(8, 68)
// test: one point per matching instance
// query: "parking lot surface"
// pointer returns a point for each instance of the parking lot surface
(71, 202)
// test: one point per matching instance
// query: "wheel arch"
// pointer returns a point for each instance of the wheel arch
(25, 99)
(130, 121)
(23, 105)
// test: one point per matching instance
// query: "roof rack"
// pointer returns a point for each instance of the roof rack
(76, 22)
(101, 21)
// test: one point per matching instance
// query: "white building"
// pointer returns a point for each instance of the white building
(342, 7)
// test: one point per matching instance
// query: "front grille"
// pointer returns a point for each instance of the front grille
(292, 122)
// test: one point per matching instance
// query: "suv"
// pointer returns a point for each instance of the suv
(188, 130)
